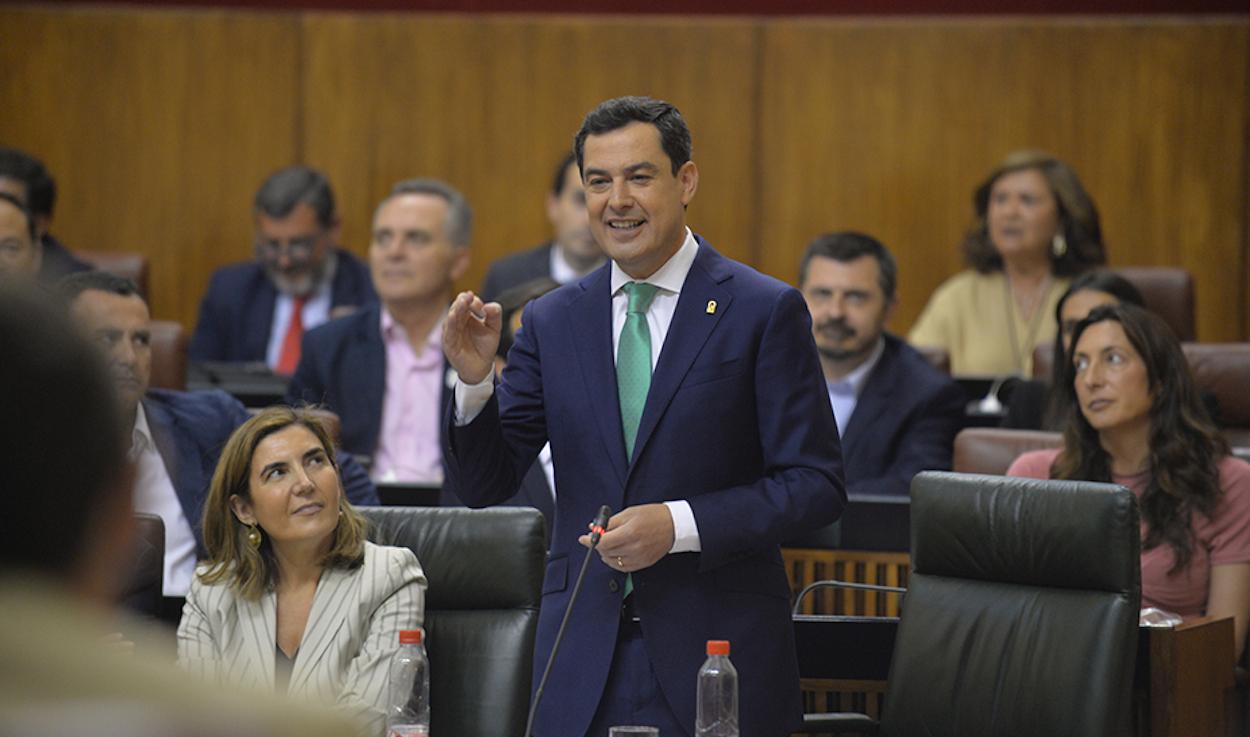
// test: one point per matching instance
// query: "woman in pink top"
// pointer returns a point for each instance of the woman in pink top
(1143, 425)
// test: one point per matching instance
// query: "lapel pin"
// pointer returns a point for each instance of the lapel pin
(711, 307)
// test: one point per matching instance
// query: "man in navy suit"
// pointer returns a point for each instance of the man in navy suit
(176, 437)
(897, 415)
(716, 444)
(258, 311)
(569, 255)
(382, 368)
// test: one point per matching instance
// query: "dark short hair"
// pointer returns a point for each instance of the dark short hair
(848, 246)
(1098, 280)
(1078, 216)
(284, 189)
(516, 298)
(557, 181)
(26, 213)
(63, 445)
(617, 113)
(70, 287)
(459, 214)
(40, 186)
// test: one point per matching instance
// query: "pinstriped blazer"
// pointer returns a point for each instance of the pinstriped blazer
(343, 658)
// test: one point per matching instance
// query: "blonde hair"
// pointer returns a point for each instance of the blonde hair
(232, 560)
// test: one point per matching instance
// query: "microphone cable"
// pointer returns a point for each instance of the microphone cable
(596, 531)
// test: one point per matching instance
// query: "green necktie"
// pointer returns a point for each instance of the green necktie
(633, 361)
(633, 369)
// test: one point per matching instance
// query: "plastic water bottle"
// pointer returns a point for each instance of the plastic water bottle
(718, 694)
(408, 713)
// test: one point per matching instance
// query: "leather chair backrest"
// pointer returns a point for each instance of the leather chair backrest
(1223, 370)
(145, 580)
(1021, 610)
(130, 265)
(1168, 291)
(938, 358)
(991, 450)
(485, 569)
(169, 355)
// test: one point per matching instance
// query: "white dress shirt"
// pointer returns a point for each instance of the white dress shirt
(844, 394)
(154, 494)
(470, 399)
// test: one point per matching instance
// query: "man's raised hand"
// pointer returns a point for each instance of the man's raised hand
(471, 336)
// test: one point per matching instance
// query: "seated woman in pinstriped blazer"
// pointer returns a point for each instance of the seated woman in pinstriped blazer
(293, 598)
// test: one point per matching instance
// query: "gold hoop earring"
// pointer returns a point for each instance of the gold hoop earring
(1059, 245)
(253, 536)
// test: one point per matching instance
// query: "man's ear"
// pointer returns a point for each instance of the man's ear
(242, 509)
(688, 179)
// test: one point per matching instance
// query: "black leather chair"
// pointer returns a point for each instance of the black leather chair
(146, 577)
(1020, 616)
(485, 572)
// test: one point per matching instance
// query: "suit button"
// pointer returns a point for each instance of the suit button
(613, 586)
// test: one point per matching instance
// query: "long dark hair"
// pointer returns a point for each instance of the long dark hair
(1099, 280)
(1185, 447)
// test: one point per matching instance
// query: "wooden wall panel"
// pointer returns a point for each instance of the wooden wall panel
(888, 126)
(158, 127)
(491, 104)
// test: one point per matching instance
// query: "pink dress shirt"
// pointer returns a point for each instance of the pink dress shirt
(408, 445)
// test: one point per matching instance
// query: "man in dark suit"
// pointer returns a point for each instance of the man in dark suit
(176, 437)
(569, 255)
(897, 415)
(382, 368)
(258, 311)
(26, 178)
(725, 451)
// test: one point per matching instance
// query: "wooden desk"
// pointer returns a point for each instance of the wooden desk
(1182, 684)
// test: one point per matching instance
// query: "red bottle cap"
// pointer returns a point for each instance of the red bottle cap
(410, 637)
(718, 647)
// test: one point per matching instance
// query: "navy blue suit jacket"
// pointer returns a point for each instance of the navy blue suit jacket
(343, 366)
(904, 422)
(190, 429)
(516, 269)
(737, 422)
(236, 313)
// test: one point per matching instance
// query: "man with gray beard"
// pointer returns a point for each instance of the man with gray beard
(259, 310)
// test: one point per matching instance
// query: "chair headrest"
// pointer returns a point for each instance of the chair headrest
(1066, 534)
(473, 558)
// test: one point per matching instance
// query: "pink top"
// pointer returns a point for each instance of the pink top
(408, 444)
(1220, 540)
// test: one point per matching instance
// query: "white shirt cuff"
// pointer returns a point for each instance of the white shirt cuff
(685, 531)
(471, 398)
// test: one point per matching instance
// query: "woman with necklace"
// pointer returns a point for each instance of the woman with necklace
(1137, 420)
(1036, 227)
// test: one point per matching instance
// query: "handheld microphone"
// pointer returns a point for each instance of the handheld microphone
(597, 528)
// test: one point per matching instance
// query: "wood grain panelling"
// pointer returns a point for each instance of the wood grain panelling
(160, 124)
(158, 127)
(491, 104)
(887, 127)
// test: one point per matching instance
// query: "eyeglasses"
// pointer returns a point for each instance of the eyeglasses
(297, 249)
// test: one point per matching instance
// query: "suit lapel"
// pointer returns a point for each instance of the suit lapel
(324, 620)
(590, 314)
(692, 324)
(260, 314)
(259, 622)
(881, 385)
(368, 371)
(180, 455)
